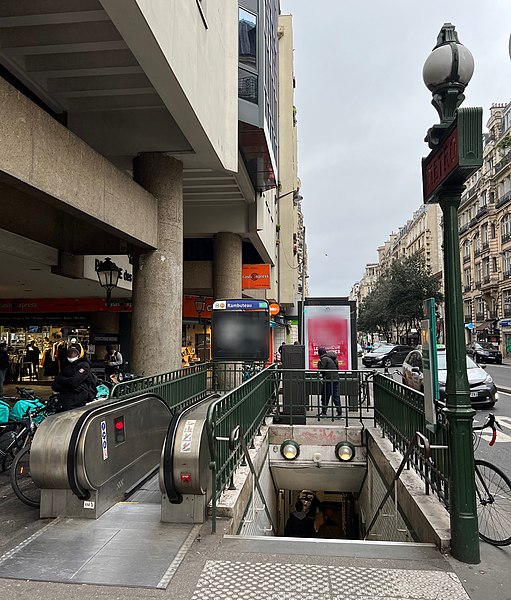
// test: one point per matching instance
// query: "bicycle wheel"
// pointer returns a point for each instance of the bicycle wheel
(493, 496)
(22, 482)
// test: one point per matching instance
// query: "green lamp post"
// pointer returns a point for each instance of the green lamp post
(456, 152)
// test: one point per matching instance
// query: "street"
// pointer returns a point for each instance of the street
(500, 453)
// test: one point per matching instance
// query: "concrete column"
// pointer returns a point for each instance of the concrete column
(158, 275)
(227, 260)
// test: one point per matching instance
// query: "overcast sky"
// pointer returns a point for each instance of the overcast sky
(363, 112)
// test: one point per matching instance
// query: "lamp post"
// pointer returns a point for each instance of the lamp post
(200, 307)
(456, 144)
(108, 275)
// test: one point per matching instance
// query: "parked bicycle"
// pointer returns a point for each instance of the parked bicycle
(21, 480)
(493, 493)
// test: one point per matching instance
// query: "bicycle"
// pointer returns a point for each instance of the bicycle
(493, 493)
(21, 479)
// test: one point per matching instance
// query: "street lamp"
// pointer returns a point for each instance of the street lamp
(456, 144)
(108, 275)
(200, 307)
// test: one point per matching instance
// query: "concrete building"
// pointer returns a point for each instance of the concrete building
(485, 235)
(142, 130)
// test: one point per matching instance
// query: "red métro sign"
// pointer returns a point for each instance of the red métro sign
(441, 164)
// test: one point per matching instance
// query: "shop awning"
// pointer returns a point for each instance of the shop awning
(485, 325)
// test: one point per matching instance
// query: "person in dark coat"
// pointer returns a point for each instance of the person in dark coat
(4, 365)
(328, 366)
(73, 383)
(301, 523)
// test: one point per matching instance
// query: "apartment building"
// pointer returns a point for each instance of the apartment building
(485, 237)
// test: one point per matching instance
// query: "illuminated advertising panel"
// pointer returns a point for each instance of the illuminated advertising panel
(329, 323)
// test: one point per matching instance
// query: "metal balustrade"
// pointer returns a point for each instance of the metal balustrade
(399, 412)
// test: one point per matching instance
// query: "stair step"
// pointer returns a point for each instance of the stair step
(322, 547)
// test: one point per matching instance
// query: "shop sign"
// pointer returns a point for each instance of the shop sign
(274, 308)
(105, 338)
(27, 319)
(255, 277)
(505, 323)
(64, 305)
(90, 264)
(189, 311)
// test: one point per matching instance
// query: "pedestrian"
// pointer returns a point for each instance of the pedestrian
(329, 368)
(75, 383)
(4, 365)
(32, 356)
(113, 361)
(301, 523)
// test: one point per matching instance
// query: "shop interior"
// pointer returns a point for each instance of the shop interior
(39, 361)
(196, 343)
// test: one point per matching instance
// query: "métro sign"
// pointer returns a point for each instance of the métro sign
(240, 330)
(458, 155)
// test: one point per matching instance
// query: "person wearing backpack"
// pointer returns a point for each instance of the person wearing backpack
(4, 365)
(328, 365)
(113, 361)
(75, 381)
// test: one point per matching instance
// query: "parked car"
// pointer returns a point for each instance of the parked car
(484, 352)
(483, 392)
(386, 355)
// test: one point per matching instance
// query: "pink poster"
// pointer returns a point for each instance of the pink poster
(328, 327)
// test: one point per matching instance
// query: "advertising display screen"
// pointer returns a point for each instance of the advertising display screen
(328, 326)
(240, 330)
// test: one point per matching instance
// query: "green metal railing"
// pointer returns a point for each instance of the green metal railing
(399, 411)
(246, 407)
(177, 388)
(302, 391)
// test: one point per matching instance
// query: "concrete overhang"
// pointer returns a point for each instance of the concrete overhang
(107, 69)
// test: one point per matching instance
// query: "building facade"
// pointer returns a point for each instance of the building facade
(485, 237)
(146, 131)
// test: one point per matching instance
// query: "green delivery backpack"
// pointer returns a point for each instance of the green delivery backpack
(4, 411)
(20, 409)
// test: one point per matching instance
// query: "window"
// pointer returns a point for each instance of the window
(506, 264)
(466, 278)
(479, 274)
(495, 265)
(248, 82)
(505, 228)
(466, 251)
(467, 310)
(477, 245)
(506, 298)
(484, 235)
(486, 269)
(480, 307)
(247, 38)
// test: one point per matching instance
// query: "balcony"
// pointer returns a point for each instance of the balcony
(478, 285)
(503, 199)
(472, 222)
(482, 211)
(502, 162)
(479, 317)
(507, 310)
(477, 252)
(506, 237)
(492, 314)
(468, 318)
(466, 259)
(463, 228)
(506, 275)
(486, 279)
(467, 288)
(485, 246)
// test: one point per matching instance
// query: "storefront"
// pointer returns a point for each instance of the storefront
(505, 329)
